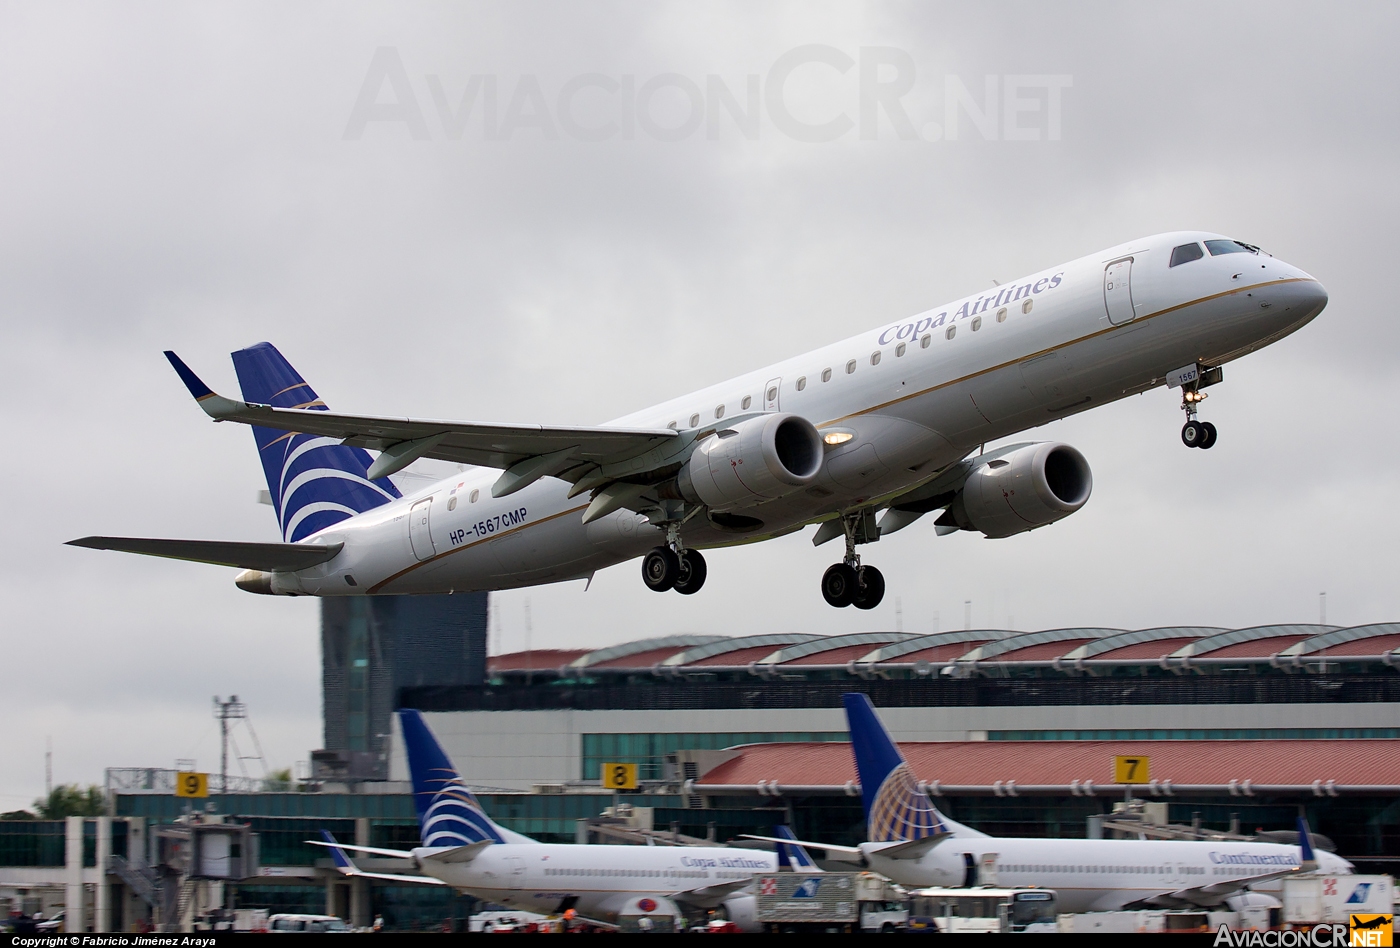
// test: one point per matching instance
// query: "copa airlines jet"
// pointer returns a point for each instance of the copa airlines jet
(862, 437)
(464, 849)
(914, 844)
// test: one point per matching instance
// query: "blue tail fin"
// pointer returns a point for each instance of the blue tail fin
(314, 481)
(448, 812)
(1305, 840)
(793, 855)
(896, 808)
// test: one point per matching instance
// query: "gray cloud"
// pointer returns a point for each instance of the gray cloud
(179, 177)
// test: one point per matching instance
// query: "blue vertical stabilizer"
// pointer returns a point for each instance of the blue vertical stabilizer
(896, 808)
(314, 481)
(792, 855)
(448, 812)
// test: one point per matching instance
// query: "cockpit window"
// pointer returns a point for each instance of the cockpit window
(1186, 253)
(1217, 247)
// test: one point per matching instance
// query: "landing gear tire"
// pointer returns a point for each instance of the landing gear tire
(1193, 434)
(1208, 441)
(840, 584)
(692, 573)
(661, 568)
(872, 588)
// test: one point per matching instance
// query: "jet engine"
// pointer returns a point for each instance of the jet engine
(1030, 487)
(753, 461)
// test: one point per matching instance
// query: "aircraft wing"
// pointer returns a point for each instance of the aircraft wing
(1215, 893)
(835, 852)
(710, 894)
(459, 854)
(346, 867)
(331, 844)
(909, 849)
(551, 451)
(263, 556)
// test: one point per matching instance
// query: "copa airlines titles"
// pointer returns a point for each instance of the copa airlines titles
(1011, 293)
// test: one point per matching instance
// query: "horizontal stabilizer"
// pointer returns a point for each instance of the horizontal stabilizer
(268, 557)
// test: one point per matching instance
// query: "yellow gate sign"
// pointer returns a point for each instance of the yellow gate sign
(620, 776)
(190, 784)
(1131, 769)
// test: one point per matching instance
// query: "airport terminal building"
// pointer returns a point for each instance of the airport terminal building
(1014, 733)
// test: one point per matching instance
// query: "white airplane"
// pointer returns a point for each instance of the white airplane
(464, 849)
(885, 421)
(915, 845)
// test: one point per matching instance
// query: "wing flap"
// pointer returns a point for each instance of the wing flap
(268, 557)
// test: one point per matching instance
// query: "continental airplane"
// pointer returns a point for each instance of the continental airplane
(861, 438)
(464, 849)
(914, 844)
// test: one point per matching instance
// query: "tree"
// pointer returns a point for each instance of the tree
(278, 781)
(71, 800)
(18, 815)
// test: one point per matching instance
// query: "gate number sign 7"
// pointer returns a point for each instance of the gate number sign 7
(1131, 769)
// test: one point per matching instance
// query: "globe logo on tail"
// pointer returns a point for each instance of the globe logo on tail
(902, 811)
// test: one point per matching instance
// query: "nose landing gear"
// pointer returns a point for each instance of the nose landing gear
(848, 583)
(1195, 434)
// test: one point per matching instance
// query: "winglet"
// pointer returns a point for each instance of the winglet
(342, 861)
(791, 854)
(192, 382)
(214, 405)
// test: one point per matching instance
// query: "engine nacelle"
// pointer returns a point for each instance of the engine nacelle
(756, 460)
(1028, 488)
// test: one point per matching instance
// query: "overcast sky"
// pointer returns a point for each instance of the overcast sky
(205, 176)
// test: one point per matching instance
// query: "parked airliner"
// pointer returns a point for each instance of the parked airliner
(914, 844)
(463, 848)
(862, 438)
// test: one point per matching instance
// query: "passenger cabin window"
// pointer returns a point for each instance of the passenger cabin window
(952, 331)
(826, 375)
(672, 425)
(1026, 306)
(1186, 253)
(976, 323)
(695, 420)
(744, 405)
(773, 394)
(719, 411)
(475, 495)
(802, 383)
(924, 342)
(1001, 315)
(1217, 247)
(899, 350)
(850, 366)
(875, 357)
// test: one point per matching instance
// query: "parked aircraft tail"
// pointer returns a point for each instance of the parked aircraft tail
(896, 807)
(792, 855)
(314, 481)
(448, 812)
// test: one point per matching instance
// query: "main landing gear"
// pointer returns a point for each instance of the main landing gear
(1195, 434)
(672, 566)
(848, 583)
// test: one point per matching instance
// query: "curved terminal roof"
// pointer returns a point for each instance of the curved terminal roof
(1378, 639)
(1257, 641)
(634, 654)
(738, 651)
(834, 649)
(1031, 646)
(1013, 767)
(1048, 647)
(1142, 643)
